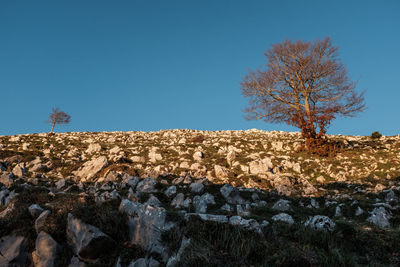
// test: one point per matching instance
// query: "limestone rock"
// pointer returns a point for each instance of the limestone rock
(145, 224)
(177, 202)
(283, 217)
(200, 202)
(147, 185)
(12, 251)
(320, 222)
(91, 168)
(46, 249)
(198, 156)
(260, 166)
(138, 159)
(231, 194)
(19, 170)
(173, 261)
(93, 148)
(220, 172)
(380, 217)
(196, 187)
(35, 210)
(87, 241)
(282, 205)
(170, 191)
(6, 179)
(40, 222)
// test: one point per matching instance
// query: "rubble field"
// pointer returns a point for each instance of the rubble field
(197, 198)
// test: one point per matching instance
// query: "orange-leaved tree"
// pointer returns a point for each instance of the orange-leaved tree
(304, 85)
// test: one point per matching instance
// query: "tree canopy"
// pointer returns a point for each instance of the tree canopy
(304, 85)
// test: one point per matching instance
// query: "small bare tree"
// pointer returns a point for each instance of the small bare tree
(58, 117)
(304, 85)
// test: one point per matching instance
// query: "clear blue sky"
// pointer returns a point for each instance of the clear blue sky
(150, 65)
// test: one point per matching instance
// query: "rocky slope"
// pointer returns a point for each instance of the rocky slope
(184, 197)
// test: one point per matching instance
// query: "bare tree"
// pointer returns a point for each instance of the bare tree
(58, 117)
(304, 85)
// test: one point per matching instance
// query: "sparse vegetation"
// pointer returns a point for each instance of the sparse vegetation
(266, 167)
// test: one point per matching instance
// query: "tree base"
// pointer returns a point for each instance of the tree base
(322, 147)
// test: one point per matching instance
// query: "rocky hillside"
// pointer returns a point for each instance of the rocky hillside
(185, 197)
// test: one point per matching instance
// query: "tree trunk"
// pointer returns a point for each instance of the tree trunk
(52, 127)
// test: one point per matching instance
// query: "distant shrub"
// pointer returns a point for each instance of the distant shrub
(376, 135)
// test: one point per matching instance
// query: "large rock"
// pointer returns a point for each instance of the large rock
(260, 166)
(282, 205)
(220, 172)
(93, 148)
(200, 202)
(19, 170)
(230, 157)
(283, 184)
(196, 187)
(170, 191)
(231, 194)
(91, 168)
(46, 249)
(145, 224)
(87, 241)
(35, 210)
(380, 217)
(3, 195)
(177, 202)
(147, 186)
(40, 222)
(12, 251)
(154, 156)
(249, 224)
(283, 217)
(6, 179)
(320, 222)
(138, 159)
(173, 261)
(198, 156)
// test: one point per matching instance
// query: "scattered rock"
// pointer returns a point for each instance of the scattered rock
(380, 217)
(200, 203)
(196, 187)
(91, 168)
(282, 205)
(46, 249)
(198, 156)
(261, 166)
(12, 251)
(147, 186)
(35, 210)
(145, 224)
(320, 222)
(60, 184)
(6, 179)
(40, 222)
(87, 241)
(177, 202)
(170, 191)
(220, 172)
(283, 217)
(93, 148)
(19, 170)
